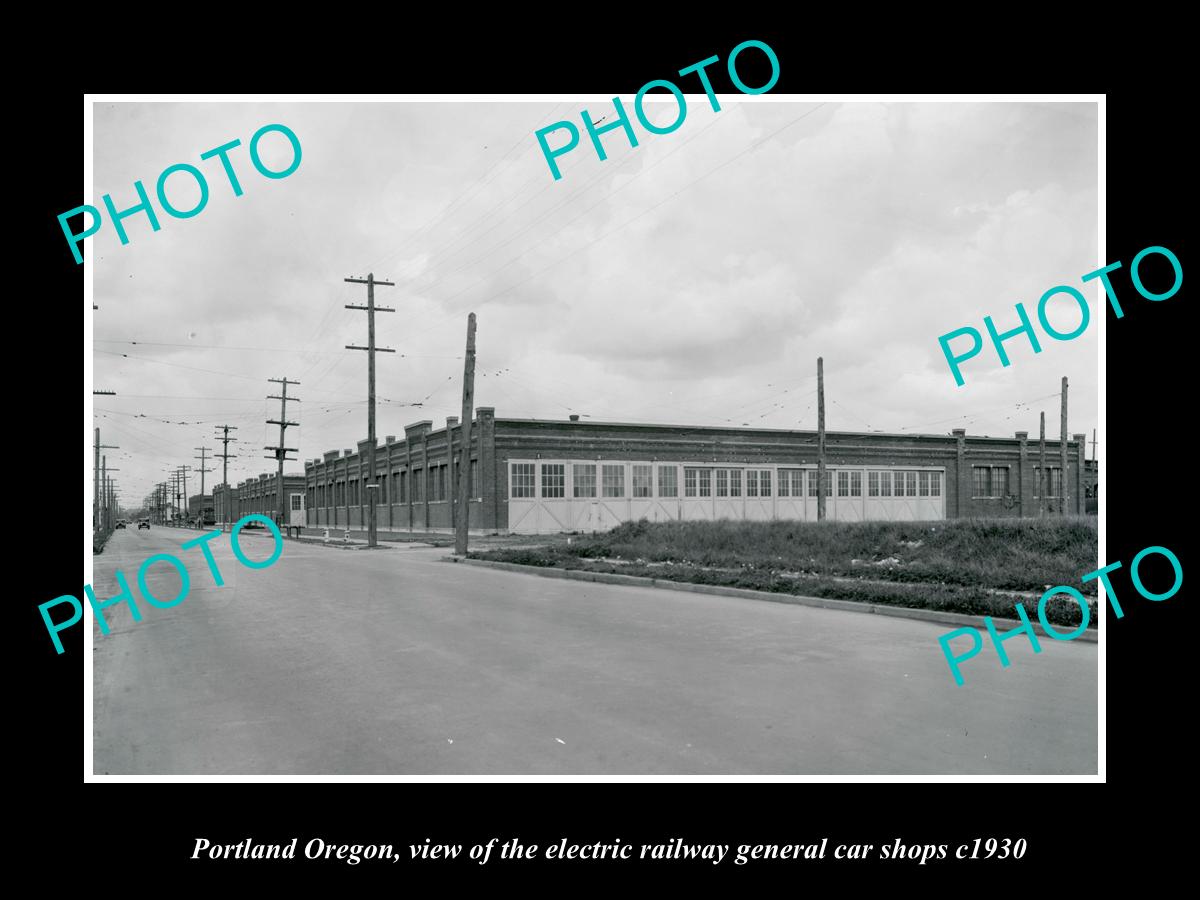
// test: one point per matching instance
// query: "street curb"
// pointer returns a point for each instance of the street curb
(902, 612)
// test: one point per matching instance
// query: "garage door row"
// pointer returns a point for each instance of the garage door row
(548, 495)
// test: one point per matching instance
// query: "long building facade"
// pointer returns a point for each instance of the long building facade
(533, 476)
(258, 495)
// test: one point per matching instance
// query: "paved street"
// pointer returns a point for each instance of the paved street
(393, 662)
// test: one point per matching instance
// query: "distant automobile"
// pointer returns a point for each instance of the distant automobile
(120, 525)
(144, 523)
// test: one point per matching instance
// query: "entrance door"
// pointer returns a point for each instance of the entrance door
(296, 510)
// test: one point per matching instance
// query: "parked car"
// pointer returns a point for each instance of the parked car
(144, 523)
(120, 525)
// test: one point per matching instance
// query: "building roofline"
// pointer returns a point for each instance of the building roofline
(751, 430)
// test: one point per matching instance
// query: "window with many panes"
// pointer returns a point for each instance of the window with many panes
(690, 478)
(923, 483)
(614, 481)
(668, 481)
(735, 482)
(722, 482)
(856, 484)
(521, 484)
(812, 483)
(585, 480)
(843, 479)
(791, 483)
(706, 482)
(554, 480)
(983, 480)
(1000, 481)
(642, 486)
(910, 484)
(990, 481)
(751, 483)
(764, 483)
(935, 484)
(1055, 485)
(872, 484)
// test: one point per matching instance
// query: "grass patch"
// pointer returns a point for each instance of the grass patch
(949, 565)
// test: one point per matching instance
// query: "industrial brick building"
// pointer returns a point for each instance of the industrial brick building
(257, 495)
(532, 476)
(200, 509)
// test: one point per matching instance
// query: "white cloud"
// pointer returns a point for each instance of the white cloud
(858, 232)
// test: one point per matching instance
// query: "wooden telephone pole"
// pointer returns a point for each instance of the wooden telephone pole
(203, 458)
(226, 456)
(281, 451)
(96, 515)
(464, 464)
(1043, 479)
(183, 498)
(1064, 506)
(371, 309)
(821, 474)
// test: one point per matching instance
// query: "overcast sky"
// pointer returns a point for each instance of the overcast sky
(693, 279)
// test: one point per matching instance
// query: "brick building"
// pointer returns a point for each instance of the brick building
(254, 495)
(200, 509)
(542, 476)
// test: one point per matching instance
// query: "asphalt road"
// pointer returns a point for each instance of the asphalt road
(393, 662)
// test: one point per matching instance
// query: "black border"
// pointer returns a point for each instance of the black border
(1147, 406)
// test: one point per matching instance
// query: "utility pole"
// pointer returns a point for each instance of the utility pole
(202, 470)
(281, 451)
(183, 500)
(1062, 449)
(821, 475)
(96, 479)
(225, 457)
(106, 522)
(1043, 479)
(1093, 445)
(371, 309)
(464, 465)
